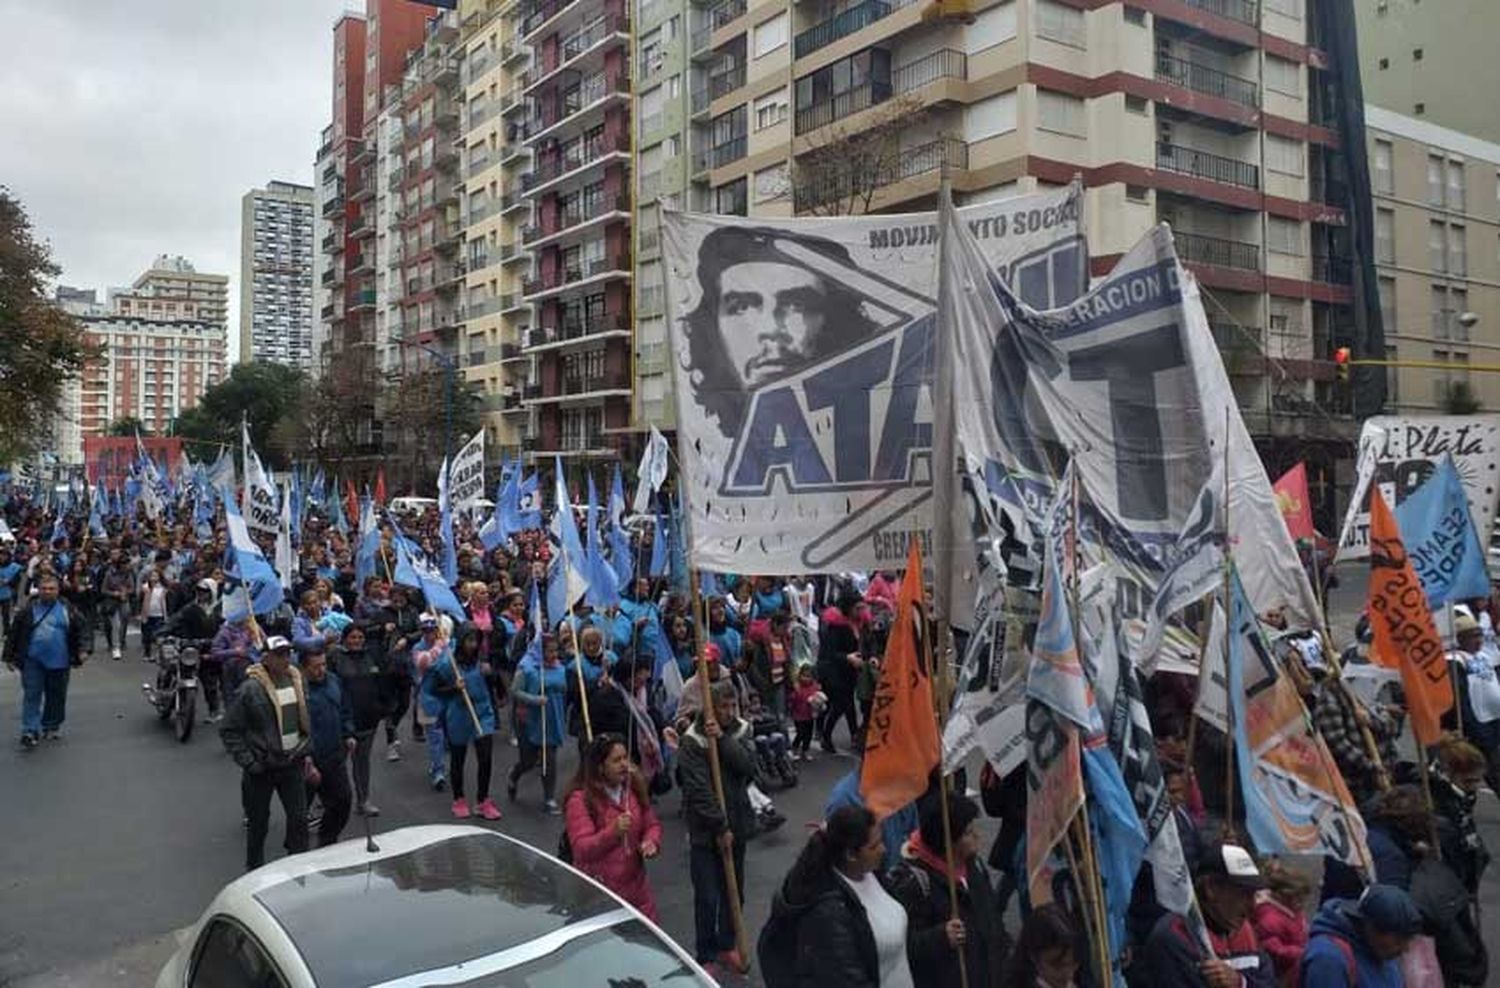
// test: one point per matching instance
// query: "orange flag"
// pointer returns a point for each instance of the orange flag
(380, 487)
(1291, 498)
(351, 503)
(901, 741)
(1405, 637)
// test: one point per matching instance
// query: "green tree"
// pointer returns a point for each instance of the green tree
(41, 346)
(260, 393)
(127, 425)
(1459, 399)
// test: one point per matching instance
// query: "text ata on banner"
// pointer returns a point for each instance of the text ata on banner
(466, 478)
(803, 356)
(1396, 455)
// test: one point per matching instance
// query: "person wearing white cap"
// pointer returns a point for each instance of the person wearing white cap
(1478, 687)
(1226, 879)
(268, 732)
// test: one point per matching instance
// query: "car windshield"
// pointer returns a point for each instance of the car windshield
(627, 955)
(430, 908)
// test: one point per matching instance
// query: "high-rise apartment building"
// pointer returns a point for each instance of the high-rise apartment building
(1434, 61)
(160, 345)
(276, 274)
(1437, 254)
(496, 322)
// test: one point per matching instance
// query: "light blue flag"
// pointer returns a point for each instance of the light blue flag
(1440, 538)
(660, 553)
(317, 490)
(677, 545)
(246, 570)
(529, 505)
(604, 590)
(708, 584)
(98, 505)
(508, 506)
(491, 533)
(59, 530)
(336, 509)
(1118, 835)
(1244, 635)
(621, 556)
(447, 551)
(573, 561)
(413, 571)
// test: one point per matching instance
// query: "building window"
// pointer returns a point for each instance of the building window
(1437, 246)
(1060, 112)
(1287, 8)
(771, 109)
(1137, 193)
(770, 35)
(1135, 104)
(1285, 155)
(1064, 25)
(1385, 177)
(1387, 287)
(1435, 183)
(1284, 236)
(1458, 251)
(1136, 16)
(1457, 193)
(730, 200)
(1385, 236)
(1416, 54)
(1283, 76)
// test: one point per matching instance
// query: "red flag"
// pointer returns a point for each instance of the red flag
(1405, 637)
(1291, 498)
(351, 503)
(901, 740)
(380, 487)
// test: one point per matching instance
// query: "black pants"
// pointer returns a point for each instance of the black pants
(713, 923)
(211, 678)
(400, 693)
(530, 757)
(840, 704)
(483, 754)
(334, 794)
(359, 764)
(803, 740)
(255, 796)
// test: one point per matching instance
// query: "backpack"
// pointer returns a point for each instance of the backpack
(564, 845)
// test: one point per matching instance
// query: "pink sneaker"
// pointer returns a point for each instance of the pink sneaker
(461, 808)
(489, 810)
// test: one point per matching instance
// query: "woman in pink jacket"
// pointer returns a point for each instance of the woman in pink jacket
(611, 827)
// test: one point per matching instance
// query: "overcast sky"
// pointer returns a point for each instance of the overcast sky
(131, 128)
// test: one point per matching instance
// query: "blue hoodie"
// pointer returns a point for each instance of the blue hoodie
(1336, 948)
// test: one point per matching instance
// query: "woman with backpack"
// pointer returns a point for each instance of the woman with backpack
(611, 829)
(832, 922)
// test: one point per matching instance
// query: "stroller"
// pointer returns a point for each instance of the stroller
(773, 748)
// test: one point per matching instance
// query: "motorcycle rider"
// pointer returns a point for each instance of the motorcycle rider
(196, 622)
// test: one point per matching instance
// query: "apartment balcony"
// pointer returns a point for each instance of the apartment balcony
(362, 301)
(843, 24)
(595, 384)
(537, 15)
(574, 220)
(567, 280)
(361, 152)
(478, 64)
(513, 51)
(579, 51)
(363, 263)
(698, 47)
(1206, 165)
(1332, 270)
(727, 153)
(700, 101)
(482, 110)
(1244, 11)
(362, 227)
(395, 179)
(335, 202)
(726, 82)
(333, 243)
(914, 162)
(363, 189)
(591, 444)
(575, 330)
(482, 212)
(1207, 80)
(332, 276)
(1195, 248)
(556, 165)
(590, 98)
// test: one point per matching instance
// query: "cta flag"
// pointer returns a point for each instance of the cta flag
(1213, 690)
(1292, 499)
(261, 506)
(1296, 801)
(286, 556)
(246, 571)
(621, 555)
(901, 740)
(1441, 540)
(466, 476)
(652, 471)
(1405, 637)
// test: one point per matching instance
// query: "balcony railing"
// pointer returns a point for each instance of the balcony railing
(583, 384)
(700, 100)
(577, 328)
(551, 166)
(1195, 248)
(1206, 165)
(1332, 270)
(947, 63)
(1206, 79)
(1244, 11)
(723, 83)
(538, 14)
(1329, 191)
(577, 443)
(843, 24)
(728, 152)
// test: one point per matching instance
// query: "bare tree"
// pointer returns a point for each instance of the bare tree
(839, 172)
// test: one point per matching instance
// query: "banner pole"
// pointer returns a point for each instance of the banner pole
(583, 688)
(1229, 767)
(1382, 777)
(929, 660)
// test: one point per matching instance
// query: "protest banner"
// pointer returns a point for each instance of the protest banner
(108, 460)
(1396, 455)
(261, 502)
(1441, 541)
(466, 476)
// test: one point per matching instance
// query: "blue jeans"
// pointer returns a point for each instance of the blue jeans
(713, 923)
(44, 697)
(437, 750)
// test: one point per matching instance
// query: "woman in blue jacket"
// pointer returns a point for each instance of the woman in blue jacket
(540, 690)
(459, 682)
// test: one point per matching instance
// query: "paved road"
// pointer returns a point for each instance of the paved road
(117, 836)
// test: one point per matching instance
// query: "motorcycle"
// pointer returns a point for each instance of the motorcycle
(175, 693)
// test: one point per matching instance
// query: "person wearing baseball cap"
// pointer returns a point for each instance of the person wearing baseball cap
(1360, 941)
(1226, 879)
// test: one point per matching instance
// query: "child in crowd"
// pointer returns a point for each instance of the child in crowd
(1280, 919)
(807, 703)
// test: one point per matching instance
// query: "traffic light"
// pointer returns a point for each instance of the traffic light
(1341, 359)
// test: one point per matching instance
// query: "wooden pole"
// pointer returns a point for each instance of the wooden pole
(716, 772)
(1382, 777)
(1229, 750)
(939, 716)
(583, 689)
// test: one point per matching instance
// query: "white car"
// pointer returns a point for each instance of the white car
(433, 905)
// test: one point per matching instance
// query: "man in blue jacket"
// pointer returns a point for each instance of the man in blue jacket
(1360, 941)
(44, 643)
(332, 718)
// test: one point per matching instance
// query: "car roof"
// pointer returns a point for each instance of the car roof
(430, 898)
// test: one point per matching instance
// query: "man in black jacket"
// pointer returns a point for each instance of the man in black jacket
(934, 936)
(268, 732)
(712, 830)
(44, 643)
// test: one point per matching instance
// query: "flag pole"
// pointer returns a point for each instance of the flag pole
(1229, 767)
(583, 688)
(716, 770)
(938, 714)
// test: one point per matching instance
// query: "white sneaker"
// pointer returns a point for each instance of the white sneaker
(114, 653)
(393, 752)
